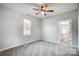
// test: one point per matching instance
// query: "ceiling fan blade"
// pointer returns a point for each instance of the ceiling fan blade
(35, 9)
(37, 13)
(49, 10)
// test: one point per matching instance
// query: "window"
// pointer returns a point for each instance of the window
(26, 27)
(65, 31)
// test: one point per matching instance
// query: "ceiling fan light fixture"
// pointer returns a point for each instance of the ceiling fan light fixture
(43, 9)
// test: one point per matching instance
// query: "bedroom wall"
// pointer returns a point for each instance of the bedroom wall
(50, 27)
(78, 31)
(11, 32)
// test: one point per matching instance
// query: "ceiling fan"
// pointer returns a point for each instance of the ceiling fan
(42, 9)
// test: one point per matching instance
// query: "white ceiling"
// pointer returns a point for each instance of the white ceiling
(57, 7)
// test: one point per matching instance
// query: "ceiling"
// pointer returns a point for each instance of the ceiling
(26, 8)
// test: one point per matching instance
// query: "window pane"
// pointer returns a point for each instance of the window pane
(65, 31)
(27, 27)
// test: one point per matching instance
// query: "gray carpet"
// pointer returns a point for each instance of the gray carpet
(41, 48)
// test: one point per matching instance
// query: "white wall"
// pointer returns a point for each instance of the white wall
(50, 27)
(11, 30)
(78, 30)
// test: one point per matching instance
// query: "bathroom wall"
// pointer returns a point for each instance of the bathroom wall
(50, 27)
(11, 28)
